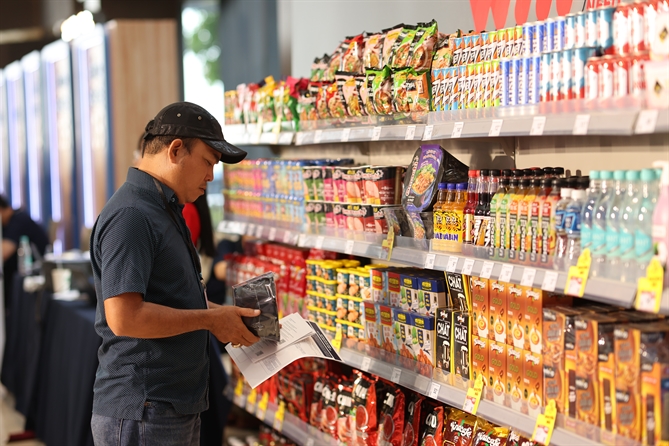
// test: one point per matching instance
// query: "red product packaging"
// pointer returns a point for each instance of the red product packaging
(365, 407)
(412, 419)
(345, 420)
(460, 428)
(329, 415)
(433, 427)
(391, 418)
(316, 408)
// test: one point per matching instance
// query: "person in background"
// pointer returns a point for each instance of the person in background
(16, 223)
(198, 220)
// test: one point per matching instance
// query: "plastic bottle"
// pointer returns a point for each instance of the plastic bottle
(493, 186)
(627, 227)
(613, 269)
(593, 195)
(503, 212)
(447, 209)
(573, 226)
(525, 213)
(661, 218)
(470, 207)
(24, 256)
(497, 231)
(643, 241)
(599, 222)
(547, 221)
(515, 216)
(535, 222)
(482, 207)
(438, 213)
(459, 204)
(560, 230)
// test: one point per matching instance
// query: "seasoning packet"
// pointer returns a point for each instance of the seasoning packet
(259, 293)
(372, 54)
(335, 100)
(349, 89)
(381, 87)
(391, 35)
(402, 47)
(422, 50)
(322, 100)
(351, 60)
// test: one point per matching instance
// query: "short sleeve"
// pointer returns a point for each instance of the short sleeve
(16, 227)
(127, 247)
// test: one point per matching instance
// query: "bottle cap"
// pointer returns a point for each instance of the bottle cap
(573, 182)
(605, 175)
(443, 186)
(451, 186)
(525, 182)
(559, 183)
(505, 181)
(632, 175)
(578, 194)
(619, 175)
(583, 182)
(484, 173)
(528, 172)
(594, 174)
(548, 171)
(495, 173)
(473, 173)
(461, 186)
(565, 192)
(518, 173)
(558, 171)
(507, 172)
(535, 182)
(648, 175)
(545, 183)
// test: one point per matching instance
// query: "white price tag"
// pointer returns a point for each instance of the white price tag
(457, 129)
(581, 125)
(250, 229)
(318, 136)
(505, 274)
(427, 133)
(452, 263)
(376, 133)
(302, 240)
(366, 363)
(429, 261)
(241, 229)
(496, 127)
(259, 231)
(299, 138)
(272, 233)
(434, 390)
(395, 377)
(528, 277)
(467, 267)
(486, 271)
(319, 242)
(538, 124)
(287, 236)
(550, 281)
(646, 121)
(411, 132)
(286, 138)
(348, 249)
(345, 134)
(310, 442)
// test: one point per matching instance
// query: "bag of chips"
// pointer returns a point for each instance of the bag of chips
(372, 54)
(322, 100)
(460, 428)
(259, 293)
(306, 103)
(411, 92)
(422, 49)
(433, 426)
(349, 89)
(365, 407)
(412, 419)
(334, 62)
(518, 439)
(316, 407)
(391, 418)
(366, 92)
(329, 416)
(487, 434)
(382, 98)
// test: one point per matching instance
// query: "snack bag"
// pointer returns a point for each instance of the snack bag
(362, 90)
(349, 89)
(418, 91)
(317, 71)
(460, 428)
(401, 102)
(391, 417)
(402, 47)
(364, 82)
(364, 405)
(351, 61)
(306, 103)
(391, 35)
(518, 439)
(265, 100)
(381, 87)
(316, 407)
(335, 99)
(433, 427)
(487, 434)
(412, 419)
(422, 50)
(437, 93)
(329, 415)
(345, 420)
(322, 101)
(334, 63)
(372, 54)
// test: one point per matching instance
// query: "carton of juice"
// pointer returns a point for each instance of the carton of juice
(480, 306)
(532, 382)
(431, 294)
(423, 338)
(533, 319)
(480, 359)
(496, 388)
(407, 288)
(515, 334)
(497, 311)
(444, 340)
(514, 378)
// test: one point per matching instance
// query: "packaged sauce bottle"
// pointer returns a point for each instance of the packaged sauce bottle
(470, 207)
(447, 210)
(515, 217)
(503, 211)
(438, 214)
(496, 214)
(459, 204)
(536, 218)
(525, 212)
(482, 208)
(547, 222)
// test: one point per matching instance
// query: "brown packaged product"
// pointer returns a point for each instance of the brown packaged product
(497, 311)
(462, 359)
(533, 319)
(480, 350)
(444, 340)
(382, 184)
(515, 334)
(480, 306)
(532, 383)
(518, 439)
(496, 387)
(460, 428)
(514, 378)
(487, 434)
(654, 388)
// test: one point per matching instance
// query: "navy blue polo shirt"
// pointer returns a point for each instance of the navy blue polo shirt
(136, 247)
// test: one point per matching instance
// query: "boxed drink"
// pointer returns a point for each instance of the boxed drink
(514, 377)
(423, 338)
(532, 382)
(408, 292)
(496, 388)
(497, 329)
(479, 359)
(444, 340)
(515, 334)
(403, 327)
(461, 352)
(379, 286)
(480, 306)
(399, 322)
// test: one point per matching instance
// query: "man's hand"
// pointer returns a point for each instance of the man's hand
(227, 325)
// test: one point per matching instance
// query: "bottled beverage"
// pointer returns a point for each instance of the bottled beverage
(560, 229)
(573, 226)
(503, 212)
(438, 213)
(661, 218)
(482, 208)
(627, 227)
(498, 232)
(547, 223)
(447, 211)
(470, 207)
(593, 194)
(599, 218)
(537, 217)
(493, 186)
(525, 214)
(459, 203)
(558, 172)
(24, 256)
(515, 216)
(613, 269)
(643, 241)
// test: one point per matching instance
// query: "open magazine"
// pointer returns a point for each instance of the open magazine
(299, 339)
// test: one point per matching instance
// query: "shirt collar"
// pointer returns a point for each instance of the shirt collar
(144, 181)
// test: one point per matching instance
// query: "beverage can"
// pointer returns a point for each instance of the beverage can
(556, 75)
(510, 41)
(534, 79)
(605, 28)
(529, 30)
(539, 37)
(637, 78)
(581, 19)
(496, 81)
(457, 52)
(591, 30)
(566, 85)
(505, 68)
(523, 80)
(545, 79)
(621, 30)
(514, 73)
(518, 41)
(578, 63)
(592, 78)
(551, 30)
(638, 37)
(606, 76)
(621, 75)
(475, 52)
(570, 31)
(560, 31)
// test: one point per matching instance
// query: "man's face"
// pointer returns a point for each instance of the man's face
(196, 170)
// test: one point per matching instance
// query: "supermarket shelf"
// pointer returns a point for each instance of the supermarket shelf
(417, 253)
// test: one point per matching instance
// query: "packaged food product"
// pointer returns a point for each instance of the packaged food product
(431, 294)
(533, 320)
(322, 100)
(496, 388)
(380, 223)
(532, 383)
(365, 407)
(335, 98)
(383, 184)
(518, 439)
(349, 87)
(444, 340)
(397, 218)
(296, 388)
(458, 290)
(433, 426)
(259, 293)
(654, 392)
(487, 434)
(407, 289)
(351, 61)
(355, 310)
(418, 90)
(345, 418)
(422, 50)
(403, 325)
(372, 325)
(417, 226)
(412, 419)
(358, 216)
(443, 56)
(460, 428)
(316, 407)
(514, 378)
(497, 311)
(480, 305)
(381, 90)
(423, 338)
(394, 288)
(391, 35)
(402, 47)
(515, 307)
(386, 328)
(351, 178)
(366, 90)
(480, 359)
(330, 414)
(306, 103)
(462, 358)
(372, 54)
(391, 417)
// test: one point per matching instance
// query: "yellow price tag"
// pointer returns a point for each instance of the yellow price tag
(279, 415)
(259, 127)
(277, 125)
(473, 397)
(649, 288)
(543, 430)
(339, 335)
(251, 401)
(578, 275)
(387, 244)
(261, 410)
(239, 388)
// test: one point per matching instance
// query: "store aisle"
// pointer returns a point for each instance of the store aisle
(11, 422)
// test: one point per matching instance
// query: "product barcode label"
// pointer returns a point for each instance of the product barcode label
(376, 133)
(457, 129)
(427, 134)
(345, 134)
(411, 132)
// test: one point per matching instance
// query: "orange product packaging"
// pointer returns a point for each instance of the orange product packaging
(372, 329)
(480, 306)
(497, 311)
(514, 377)
(480, 350)
(532, 382)
(533, 319)
(655, 385)
(386, 328)
(628, 381)
(496, 386)
(515, 333)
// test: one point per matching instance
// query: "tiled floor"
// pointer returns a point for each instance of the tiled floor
(11, 422)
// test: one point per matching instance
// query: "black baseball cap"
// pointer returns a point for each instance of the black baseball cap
(189, 120)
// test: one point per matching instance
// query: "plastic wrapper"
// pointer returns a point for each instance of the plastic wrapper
(348, 84)
(306, 103)
(411, 92)
(334, 63)
(318, 68)
(259, 293)
(351, 61)
(265, 100)
(372, 56)
(402, 47)
(345, 420)
(422, 50)
(412, 419)
(366, 90)
(365, 407)
(381, 92)
(391, 35)
(460, 428)
(391, 417)
(322, 101)
(487, 434)
(518, 439)
(433, 427)
(335, 100)
(329, 416)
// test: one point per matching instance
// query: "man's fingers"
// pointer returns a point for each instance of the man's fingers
(248, 312)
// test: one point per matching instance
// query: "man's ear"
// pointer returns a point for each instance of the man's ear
(176, 150)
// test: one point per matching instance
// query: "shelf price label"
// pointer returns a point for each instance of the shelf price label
(239, 387)
(250, 229)
(348, 249)
(538, 124)
(345, 134)
(319, 242)
(388, 243)
(376, 133)
(259, 231)
(261, 410)
(467, 267)
(366, 363)
(550, 281)
(427, 133)
(251, 401)
(299, 138)
(486, 271)
(287, 236)
(646, 122)
(649, 289)
(272, 233)
(395, 377)
(279, 416)
(302, 240)
(457, 129)
(452, 264)
(429, 261)
(339, 335)
(505, 274)
(473, 397)
(318, 136)
(543, 430)
(528, 277)
(411, 132)
(496, 127)
(581, 125)
(434, 390)
(578, 275)
(286, 138)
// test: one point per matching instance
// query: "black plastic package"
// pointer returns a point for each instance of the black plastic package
(259, 293)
